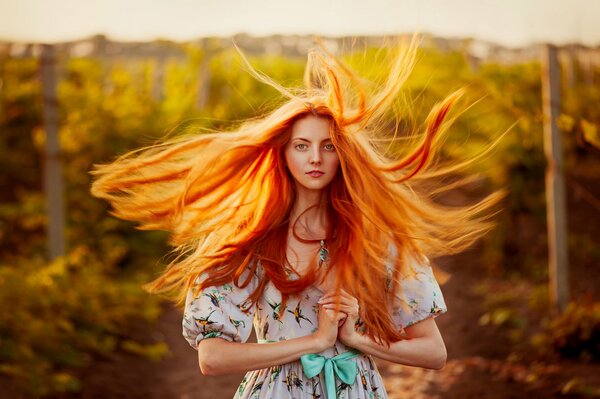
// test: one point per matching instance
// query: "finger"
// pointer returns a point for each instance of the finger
(327, 296)
(325, 300)
(341, 316)
(336, 316)
(334, 305)
(345, 293)
(345, 302)
(330, 309)
(346, 296)
(346, 309)
(349, 297)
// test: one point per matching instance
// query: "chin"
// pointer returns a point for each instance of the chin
(319, 186)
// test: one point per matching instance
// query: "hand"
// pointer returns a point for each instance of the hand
(327, 332)
(348, 305)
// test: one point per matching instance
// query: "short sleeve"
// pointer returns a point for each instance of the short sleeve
(219, 311)
(418, 297)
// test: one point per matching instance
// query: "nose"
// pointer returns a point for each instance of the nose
(315, 156)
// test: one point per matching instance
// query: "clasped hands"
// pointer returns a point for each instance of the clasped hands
(346, 318)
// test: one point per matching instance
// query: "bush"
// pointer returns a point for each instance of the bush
(56, 317)
(573, 334)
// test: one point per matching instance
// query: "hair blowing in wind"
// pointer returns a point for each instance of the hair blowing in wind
(225, 197)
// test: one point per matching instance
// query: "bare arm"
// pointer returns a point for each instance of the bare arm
(423, 346)
(217, 356)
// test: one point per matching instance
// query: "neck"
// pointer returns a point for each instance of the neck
(314, 221)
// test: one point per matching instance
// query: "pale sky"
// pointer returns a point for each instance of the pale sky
(512, 23)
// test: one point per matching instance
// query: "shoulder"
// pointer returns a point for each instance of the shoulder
(412, 262)
(246, 280)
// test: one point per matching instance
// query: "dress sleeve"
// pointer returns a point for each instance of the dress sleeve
(419, 296)
(219, 311)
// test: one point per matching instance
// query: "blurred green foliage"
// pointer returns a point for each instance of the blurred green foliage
(56, 316)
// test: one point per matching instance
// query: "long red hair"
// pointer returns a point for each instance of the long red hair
(226, 197)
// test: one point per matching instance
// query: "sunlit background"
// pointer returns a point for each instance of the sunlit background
(82, 82)
(511, 22)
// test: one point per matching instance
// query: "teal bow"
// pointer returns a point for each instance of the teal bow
(339, 366)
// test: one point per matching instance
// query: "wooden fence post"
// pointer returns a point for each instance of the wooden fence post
(204, 86)
(555, 185)
(53, 182)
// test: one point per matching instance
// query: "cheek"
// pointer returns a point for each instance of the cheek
(292, 161)
(333, 161)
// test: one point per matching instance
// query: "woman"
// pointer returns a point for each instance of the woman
(300, 224)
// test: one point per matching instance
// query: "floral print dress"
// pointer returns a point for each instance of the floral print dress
(221, 311)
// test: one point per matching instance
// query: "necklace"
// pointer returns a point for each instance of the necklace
(323, 253)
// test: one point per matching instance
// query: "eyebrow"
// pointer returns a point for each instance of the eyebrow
(308, 141)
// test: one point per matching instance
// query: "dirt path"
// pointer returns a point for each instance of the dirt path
(177, 376)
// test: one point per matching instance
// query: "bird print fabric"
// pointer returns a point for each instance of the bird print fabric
(222, 312)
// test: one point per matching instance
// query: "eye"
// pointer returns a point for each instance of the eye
(329, 147)
(301, 146)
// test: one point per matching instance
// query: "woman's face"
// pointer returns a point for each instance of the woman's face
(311, 158)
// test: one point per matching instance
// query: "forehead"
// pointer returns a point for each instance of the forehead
(311, 127)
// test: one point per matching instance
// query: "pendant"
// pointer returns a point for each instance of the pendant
(323, 253)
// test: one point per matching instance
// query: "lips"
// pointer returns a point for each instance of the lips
(315, 173)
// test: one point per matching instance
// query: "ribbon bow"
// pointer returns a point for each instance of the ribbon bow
(339, 366)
